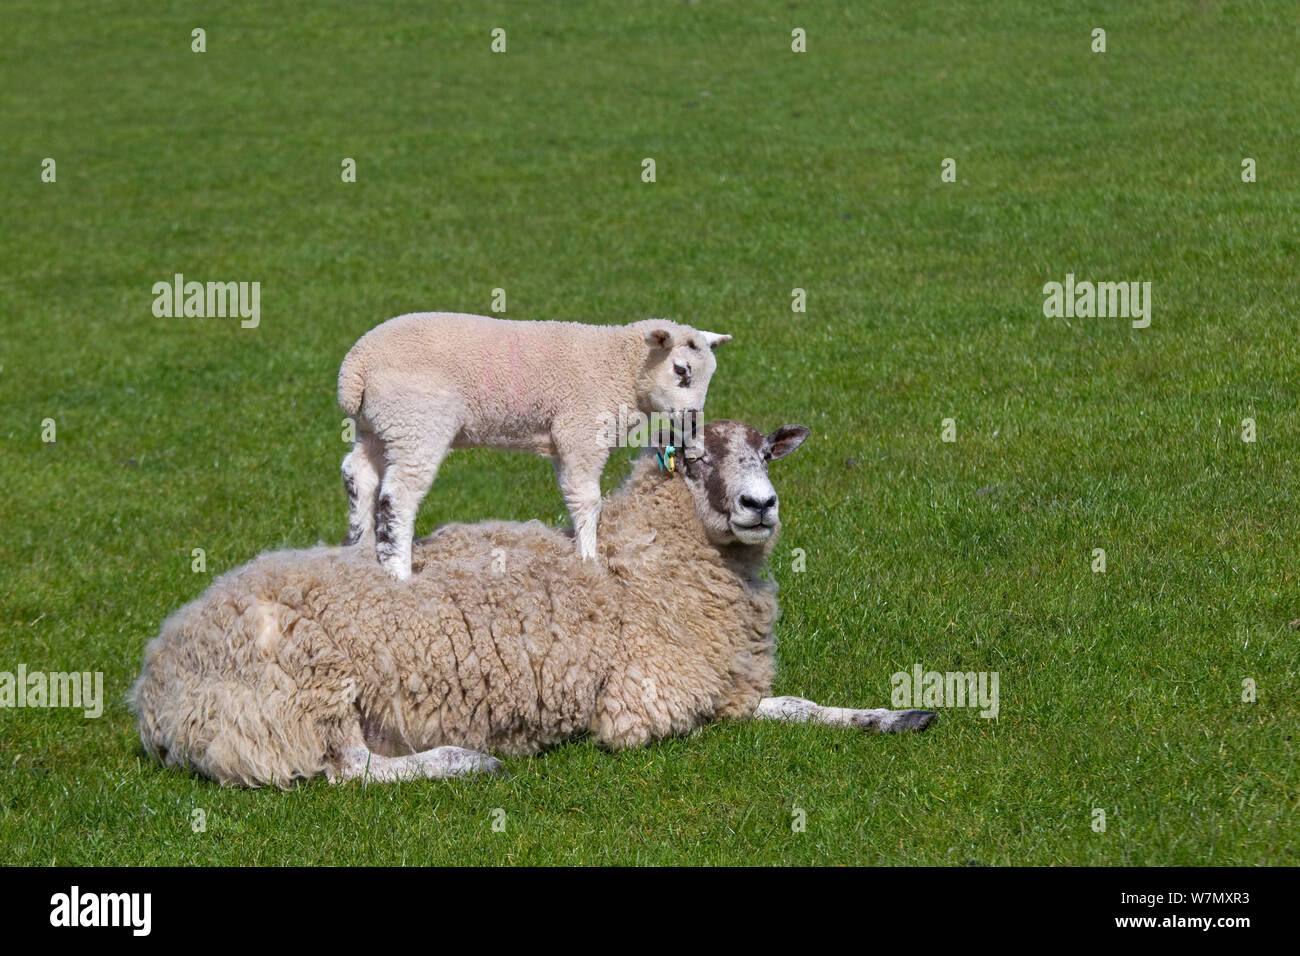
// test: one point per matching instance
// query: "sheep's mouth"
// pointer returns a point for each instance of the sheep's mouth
(755, 533)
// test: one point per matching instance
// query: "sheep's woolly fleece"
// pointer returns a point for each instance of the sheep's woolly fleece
(264, 678)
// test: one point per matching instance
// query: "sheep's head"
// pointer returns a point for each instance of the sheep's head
(727, 475)
(679, 362)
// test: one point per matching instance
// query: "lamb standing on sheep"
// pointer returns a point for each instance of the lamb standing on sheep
(421, 384)
(308, 662)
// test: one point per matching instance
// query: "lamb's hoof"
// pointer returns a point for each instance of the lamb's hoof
(916, 720)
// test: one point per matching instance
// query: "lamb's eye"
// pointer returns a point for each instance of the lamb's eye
(679, 368)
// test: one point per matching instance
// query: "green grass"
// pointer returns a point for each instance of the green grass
(1119, 691)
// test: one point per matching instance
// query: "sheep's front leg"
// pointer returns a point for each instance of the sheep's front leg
(359, 762)
(578, 474)
(881, 720)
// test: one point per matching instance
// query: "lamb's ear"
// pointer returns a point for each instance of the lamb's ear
(659, 339)
(714, 339)
(783, 441)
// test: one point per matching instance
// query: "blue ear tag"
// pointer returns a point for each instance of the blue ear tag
(667, 458)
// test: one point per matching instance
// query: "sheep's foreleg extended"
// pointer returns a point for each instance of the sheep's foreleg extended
(360, 763)
(881, 720)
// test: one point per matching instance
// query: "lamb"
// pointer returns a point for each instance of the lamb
(421, 384)
(316, 661)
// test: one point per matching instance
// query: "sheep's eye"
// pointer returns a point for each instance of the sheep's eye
(679, 368)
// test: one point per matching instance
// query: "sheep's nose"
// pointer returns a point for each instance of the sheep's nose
(755, 505)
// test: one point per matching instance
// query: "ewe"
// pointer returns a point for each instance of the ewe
(308, 662)
(421, 384)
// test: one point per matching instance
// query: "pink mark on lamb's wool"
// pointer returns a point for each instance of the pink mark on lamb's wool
(503, 373)
(493, 379)
(516, 368)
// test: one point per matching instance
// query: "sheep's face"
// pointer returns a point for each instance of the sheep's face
(727, 474)
(679, 363)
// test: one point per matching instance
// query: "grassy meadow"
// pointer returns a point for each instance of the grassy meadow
(775, 171)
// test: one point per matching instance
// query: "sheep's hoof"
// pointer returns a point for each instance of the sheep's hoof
(914, 720)
(397, 572)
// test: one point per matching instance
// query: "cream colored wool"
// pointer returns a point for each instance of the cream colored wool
(262, 679)
(421, 384)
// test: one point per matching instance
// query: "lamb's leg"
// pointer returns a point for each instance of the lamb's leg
(362, 469)
(358, 762)
(881, 720)
(578, 475)
(411, 464)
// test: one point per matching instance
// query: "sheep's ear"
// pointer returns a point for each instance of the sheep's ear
(714, 339)
(783, 441)
(659, 339)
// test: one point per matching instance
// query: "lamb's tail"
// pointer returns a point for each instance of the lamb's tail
(352, 382)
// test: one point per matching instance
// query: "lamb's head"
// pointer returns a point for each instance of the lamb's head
(727, 475)
(678, 363)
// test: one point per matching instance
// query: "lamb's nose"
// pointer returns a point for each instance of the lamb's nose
(755, 505)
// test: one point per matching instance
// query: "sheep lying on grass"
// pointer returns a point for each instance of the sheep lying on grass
(421, 384)
(308, 662)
